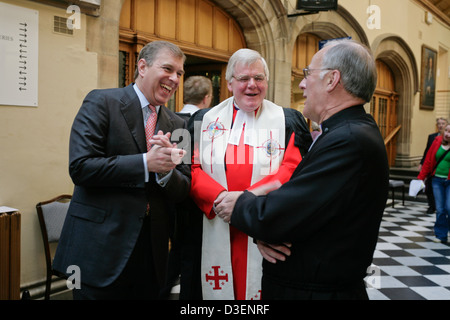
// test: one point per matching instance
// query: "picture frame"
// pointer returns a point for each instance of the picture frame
(428, 78)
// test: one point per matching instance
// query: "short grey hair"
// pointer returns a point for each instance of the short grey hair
(356, 64)
(246, 57)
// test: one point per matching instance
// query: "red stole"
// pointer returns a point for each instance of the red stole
(239, 177)
(234, 171)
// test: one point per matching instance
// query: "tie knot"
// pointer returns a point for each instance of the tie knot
(152, 108)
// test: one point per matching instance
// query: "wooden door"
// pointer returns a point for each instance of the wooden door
(213, 71)
(199, 27)
(384, 109)
(304, 49)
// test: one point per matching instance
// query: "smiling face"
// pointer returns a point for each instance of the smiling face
(159, 81)
(248, 95)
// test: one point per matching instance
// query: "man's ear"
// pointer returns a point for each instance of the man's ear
(230, 88)
(204, 99)
(333, 78)
(142, 64)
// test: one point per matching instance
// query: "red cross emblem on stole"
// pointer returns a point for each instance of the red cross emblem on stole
(257, 296)
(216, 278)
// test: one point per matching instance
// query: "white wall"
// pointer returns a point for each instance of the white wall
(34, 140)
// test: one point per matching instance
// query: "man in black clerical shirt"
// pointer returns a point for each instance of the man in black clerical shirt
(330, 211)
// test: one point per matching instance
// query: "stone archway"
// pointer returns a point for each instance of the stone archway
(396, 54)
(333, 24)
(321, 26)
(266, 30)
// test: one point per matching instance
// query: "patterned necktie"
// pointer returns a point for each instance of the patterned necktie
(150, 125)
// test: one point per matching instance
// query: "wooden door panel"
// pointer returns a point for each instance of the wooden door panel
(199, 27)
(384, 109)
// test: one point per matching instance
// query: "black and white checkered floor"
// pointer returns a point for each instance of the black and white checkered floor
(407, 264)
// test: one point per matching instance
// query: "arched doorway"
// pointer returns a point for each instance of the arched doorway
(318, 28)
(207, 35)
(384, 109)
(384, 103)
(396, 54)
(305, 47)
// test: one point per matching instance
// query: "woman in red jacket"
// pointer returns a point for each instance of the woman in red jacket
(440, 173)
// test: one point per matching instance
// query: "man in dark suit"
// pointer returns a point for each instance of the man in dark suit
(187, 236)
(117, 226)
(331, 208)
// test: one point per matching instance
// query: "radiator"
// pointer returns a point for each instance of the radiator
(10, 255)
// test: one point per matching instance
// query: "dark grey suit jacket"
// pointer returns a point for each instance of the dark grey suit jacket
(110, 196)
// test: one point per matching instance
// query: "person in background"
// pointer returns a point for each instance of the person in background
(436, 168)
(197, 94)
(186, 237)
(127, 177)
(331, 209)
(244, 141)
(440, 126)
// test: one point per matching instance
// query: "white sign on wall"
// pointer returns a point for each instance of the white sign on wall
(18, 55)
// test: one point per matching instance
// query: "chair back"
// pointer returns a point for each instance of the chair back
(52, 214)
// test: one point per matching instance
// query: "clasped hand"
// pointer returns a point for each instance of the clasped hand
(163, 155)
(225, 202)
(224, 205)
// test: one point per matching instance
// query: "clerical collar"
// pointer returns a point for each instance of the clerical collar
(243, 119)
(236, 107)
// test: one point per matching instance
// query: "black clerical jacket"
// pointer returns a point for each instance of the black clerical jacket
(330, 210)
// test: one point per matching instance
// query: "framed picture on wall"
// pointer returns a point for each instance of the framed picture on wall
(428, 78)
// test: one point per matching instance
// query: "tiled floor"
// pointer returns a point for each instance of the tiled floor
(407, 264)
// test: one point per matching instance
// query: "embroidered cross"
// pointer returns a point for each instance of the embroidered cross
(215, 129)
(272, 149)
(216, 278)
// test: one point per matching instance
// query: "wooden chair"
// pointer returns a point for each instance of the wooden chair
(51, 214)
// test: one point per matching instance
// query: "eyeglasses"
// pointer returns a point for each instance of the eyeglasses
(245, 78)
(307, 71)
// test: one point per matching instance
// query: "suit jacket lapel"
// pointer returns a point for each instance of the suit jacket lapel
(165, 121)
(132, 112)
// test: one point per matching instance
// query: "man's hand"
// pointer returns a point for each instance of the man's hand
(224, 204)
(226, 200)
(266, 188)
(164, 155)
(274, 253)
